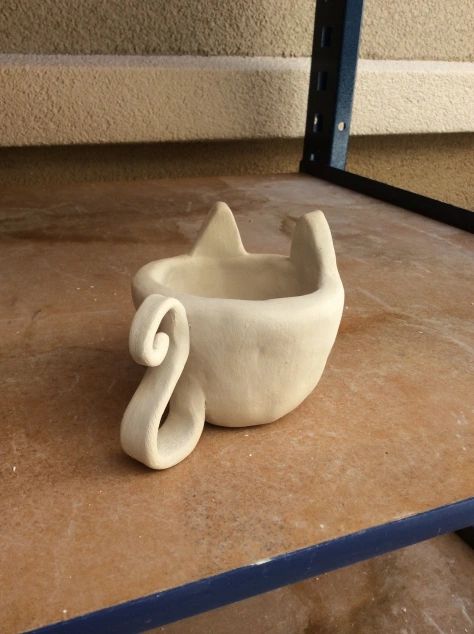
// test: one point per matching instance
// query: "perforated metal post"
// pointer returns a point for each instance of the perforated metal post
(331, 90)
(332, 79)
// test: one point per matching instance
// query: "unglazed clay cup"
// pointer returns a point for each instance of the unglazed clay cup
(229, 337)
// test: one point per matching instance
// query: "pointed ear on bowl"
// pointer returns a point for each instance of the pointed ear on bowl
(312, 244)
(219, 236)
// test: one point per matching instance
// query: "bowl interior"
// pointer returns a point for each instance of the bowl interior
(252, 277)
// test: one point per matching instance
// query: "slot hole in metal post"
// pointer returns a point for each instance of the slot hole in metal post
(326, 36)
(321, 80)
(318, 123)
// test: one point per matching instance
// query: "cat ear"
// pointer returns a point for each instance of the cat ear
(219, 236)
(312, 246)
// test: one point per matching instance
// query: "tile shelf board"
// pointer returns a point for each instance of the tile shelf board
(378, 457)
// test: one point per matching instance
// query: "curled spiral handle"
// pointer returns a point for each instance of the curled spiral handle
(148, 345)
(159, 339)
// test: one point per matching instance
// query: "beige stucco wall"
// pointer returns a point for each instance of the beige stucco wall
(132, 101)
(134, 71)
(439, 166)
(419, 29)
(51, 100)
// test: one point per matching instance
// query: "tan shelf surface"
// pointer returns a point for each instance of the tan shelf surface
(387, 433)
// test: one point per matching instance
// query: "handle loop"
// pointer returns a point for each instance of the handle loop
(159, 339)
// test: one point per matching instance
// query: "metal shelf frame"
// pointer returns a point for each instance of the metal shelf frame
(331, 90)
(213, 592)
(332, 79)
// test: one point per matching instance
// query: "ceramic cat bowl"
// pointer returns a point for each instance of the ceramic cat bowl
(229, 337)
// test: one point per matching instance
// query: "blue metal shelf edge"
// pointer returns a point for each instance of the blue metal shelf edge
(241, 583)
(428, 207)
